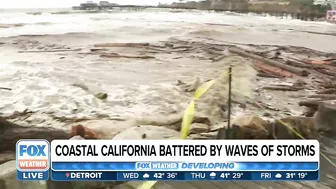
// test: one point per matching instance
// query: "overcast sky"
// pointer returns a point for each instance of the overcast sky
(69, 3)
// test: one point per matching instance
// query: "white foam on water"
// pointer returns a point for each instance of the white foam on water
(43, 82)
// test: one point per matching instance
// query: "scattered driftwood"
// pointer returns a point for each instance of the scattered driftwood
(217, 58)
(5, 88)
(282, 88)
(328, 85)
(310, 103)
(297, 71)
(181, 47)
(121, 45)
(267, 75)
(261, 105)
(272, 70)
(214, 52)
(297, 63)
(97, 50)
(116, 55)
(323, 96)
(46, 51)
(70, 119)
(327, 91)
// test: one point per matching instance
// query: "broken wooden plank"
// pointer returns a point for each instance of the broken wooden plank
(274, 63)
(267, 75)
(282, 88)
(296, 63)
(121, 45)
(310, 103)
(5, 88)
(46, 51)
(327, 91)
(116, 55)
(273, 70)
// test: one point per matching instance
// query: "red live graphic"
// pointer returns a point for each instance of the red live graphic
(32, 164)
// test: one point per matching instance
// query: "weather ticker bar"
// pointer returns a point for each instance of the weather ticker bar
(185, 176)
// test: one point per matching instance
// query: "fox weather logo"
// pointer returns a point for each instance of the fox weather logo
(32, 159)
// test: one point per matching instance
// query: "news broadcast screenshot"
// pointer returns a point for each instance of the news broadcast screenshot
(168, 94)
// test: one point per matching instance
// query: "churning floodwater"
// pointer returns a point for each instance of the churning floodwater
(44, 82)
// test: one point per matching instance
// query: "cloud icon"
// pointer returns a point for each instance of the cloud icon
(145, 175)
(278, 175)
(212, 174)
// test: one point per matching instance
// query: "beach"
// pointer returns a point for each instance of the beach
(43, 81)
(130, 74)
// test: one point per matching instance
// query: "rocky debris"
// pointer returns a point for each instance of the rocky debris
(101, 96)
(254, 127)
(199, 128)
(102, 129)
(10, 133)
(151, 132)
(325, 118)
(8, 178)
(7, 156)
(301, 125)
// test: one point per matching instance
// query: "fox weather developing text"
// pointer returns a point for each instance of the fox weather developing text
(32, 159)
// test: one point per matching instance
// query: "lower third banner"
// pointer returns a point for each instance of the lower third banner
(185, 176)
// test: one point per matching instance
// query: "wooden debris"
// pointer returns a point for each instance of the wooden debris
(116, 55)
(297, 63)
(217, 58)
(181, 47)
(330, 84)
(323, 96)
(97, 50)
(46, 51)
(328, 91)
(70, 119)
(319, 62)
(310, 103)
(267, 75)
(121, 45)
(273, 70)
(270, 62)
(283, 88)
(5, 88)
